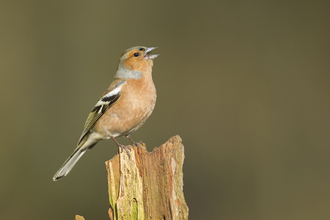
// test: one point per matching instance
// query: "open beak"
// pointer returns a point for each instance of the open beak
(151, 57)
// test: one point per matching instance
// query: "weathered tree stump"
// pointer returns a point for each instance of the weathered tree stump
(145, 185)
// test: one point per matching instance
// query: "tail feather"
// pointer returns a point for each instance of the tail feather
(85, 144)
(69, 164)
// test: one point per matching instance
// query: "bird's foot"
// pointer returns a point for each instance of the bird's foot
(121, 146)
(134, 143)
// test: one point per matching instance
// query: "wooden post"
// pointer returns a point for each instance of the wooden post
(145, 185)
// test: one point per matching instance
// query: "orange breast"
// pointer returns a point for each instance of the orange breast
(137, 101)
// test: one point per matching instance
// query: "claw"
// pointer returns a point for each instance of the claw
(121, 146)
(134, 143)
(126, 149)
(137, 145)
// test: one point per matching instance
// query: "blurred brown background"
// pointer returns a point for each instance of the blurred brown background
(244, 83)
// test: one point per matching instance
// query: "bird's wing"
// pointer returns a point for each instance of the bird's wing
(109, 98)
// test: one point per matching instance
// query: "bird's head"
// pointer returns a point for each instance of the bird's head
(135, 61)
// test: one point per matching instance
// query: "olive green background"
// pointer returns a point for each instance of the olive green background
(244, 83)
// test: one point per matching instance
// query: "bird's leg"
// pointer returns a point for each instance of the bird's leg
(121, 146)
(133, 142)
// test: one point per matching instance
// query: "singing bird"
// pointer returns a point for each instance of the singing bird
(123, 108)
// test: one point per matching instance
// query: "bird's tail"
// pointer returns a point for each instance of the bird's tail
(84, 144)
(69, 163)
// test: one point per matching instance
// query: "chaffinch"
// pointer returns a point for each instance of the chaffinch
(123, 108)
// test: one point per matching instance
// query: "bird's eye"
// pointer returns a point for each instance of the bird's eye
(141, 49)
(136, 54)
